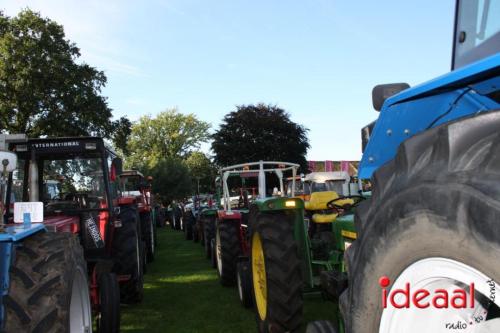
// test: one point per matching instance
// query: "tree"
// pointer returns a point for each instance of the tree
(202, 171)
(170, 134)
(260, 132)
(43, 90)
(171, 180)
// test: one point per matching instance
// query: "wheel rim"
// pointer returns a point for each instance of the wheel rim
(152, 238)
(432, 274)
(259, 276)
(80, 313)
(138, 255)
(218, 252)
(240, 287)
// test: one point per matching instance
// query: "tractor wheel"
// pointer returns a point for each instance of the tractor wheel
(432, 222)
(227, 247)
(244, 283)
(109, 298)
(276, 275)
(129, 257)
(208, 235)
(148, 235)
(213, 254)
(199, 230)
(194, 230)
(188, 227)
(321, 326)
(48, 290)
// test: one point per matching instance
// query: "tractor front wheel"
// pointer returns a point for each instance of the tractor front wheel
(244, 283)
(48, 290)
(109, 298)
(208, 234)
(148, 235)
(276, 275)
(432, 222)
(227, 248)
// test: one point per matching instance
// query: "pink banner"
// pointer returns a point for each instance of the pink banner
(328, 165)
(312, 165)
(344, 166)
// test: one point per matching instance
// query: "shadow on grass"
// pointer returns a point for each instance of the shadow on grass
(182, 294)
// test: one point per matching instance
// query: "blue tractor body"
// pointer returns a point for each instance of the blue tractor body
(10, 237)
(463, 92)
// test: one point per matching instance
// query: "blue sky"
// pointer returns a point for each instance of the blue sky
(317, 59)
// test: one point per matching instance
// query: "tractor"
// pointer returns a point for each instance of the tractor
(76, 181)
(134, 185)
(37, 292)
(430, 226)
(232, 247)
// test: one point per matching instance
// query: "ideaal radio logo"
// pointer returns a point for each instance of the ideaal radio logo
(458, 298)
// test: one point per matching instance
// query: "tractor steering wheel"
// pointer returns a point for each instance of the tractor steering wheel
(356, 198)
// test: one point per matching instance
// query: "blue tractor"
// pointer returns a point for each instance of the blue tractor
(430, 230)
(44, 284)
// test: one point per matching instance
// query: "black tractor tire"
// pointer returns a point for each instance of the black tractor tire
(148, 231)
(227, 249)
(213, 254)
(208, 234)
(108, 320)
(46, 271)
(439, 197)
(128, 254)
(282, 272)
(188, 226)
(194, 228)
(244, 283)
(321, 326)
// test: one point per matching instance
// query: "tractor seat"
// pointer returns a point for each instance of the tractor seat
(318, 200)
(324, 218)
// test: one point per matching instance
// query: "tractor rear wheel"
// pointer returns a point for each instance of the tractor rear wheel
(129, 256)
(321, 326)
(208, 234)
(109, 298)
(48, 290)
(276, 276)
(244, 283)
(213, 253)
(227, 248)
(188, 226)
(148, 235)
(433, 222)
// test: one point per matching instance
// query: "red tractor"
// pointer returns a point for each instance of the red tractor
(76, 181)
(232, 230)
(138, 188)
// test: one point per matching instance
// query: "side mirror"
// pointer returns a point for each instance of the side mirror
(8, 161)
(118, 164)
(382, 92)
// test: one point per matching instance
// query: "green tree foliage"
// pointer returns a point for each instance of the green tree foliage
(171, 179)
(43, 90)
(170, 134)
(260, 132)
(202, 171)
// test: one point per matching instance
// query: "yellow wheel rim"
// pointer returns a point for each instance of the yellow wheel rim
(259, 276)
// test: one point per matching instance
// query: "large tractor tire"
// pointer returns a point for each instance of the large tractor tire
(148, 230)
(276, 275)
(213, 254)
(433, 222)
(129, 256)
(108, 320)
(208, 234)
(48, 289)
(227, 249)
(244, 283)
(321, 326)
(188, 226)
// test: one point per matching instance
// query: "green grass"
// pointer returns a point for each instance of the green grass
(182, 294)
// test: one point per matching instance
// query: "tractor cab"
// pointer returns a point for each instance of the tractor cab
(136, 188)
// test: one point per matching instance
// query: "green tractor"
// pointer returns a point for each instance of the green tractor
(297, 247)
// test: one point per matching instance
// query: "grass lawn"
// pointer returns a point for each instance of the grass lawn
(182, 294)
